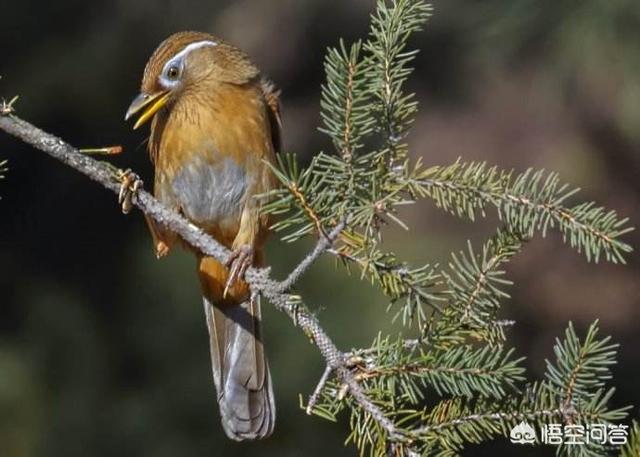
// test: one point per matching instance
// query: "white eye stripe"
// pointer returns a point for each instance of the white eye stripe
(191, 47)
(178, 59)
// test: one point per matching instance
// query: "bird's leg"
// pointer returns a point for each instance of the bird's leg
(130, 183)
(239, 261)
(162, 239)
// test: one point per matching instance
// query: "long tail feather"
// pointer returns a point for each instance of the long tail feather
(240, 370)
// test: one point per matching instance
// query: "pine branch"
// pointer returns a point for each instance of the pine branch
(531, 202)
(479, 391)
(258, 279)
(457, 421)
(460, 352)
(474, 290)
(362, 100)
(464, 370)
(416, 287)
(477, 419)
(344, 102)
(583, 367)
(578, 378)
(632, 448)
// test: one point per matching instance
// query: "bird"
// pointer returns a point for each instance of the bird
(215, 132)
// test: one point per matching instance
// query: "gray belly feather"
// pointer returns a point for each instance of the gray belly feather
(210, 194)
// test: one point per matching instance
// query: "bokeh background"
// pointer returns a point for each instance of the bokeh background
(103, 349)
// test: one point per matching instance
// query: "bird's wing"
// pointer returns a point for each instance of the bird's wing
(272, 97)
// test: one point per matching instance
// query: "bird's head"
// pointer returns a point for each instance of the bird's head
(188, 62)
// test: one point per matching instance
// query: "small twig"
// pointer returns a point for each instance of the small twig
(505, 323)
(324, 243)
(293, 188)
(313, 399)
(7, 108)
(355, 355)
(107, 151)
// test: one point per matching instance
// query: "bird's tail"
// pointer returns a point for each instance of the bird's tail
(240, 369)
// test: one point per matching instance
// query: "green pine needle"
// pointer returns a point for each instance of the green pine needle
(455, 381)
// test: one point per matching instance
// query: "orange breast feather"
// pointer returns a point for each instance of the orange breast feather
(209, 157)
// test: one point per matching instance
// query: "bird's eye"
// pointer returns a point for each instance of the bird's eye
(173, 72)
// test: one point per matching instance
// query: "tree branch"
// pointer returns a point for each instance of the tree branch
(323, 245)
(259, 280)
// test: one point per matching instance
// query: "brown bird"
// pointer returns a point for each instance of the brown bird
(215, 124)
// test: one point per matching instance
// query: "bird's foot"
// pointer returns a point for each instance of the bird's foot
(130, 183)
(161, 249)
(238, 262)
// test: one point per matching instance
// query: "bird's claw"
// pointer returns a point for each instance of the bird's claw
(238, 262)
(161, 249)
(130, 183)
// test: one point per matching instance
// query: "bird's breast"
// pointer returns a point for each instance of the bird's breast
(210, 193)
(209, 156)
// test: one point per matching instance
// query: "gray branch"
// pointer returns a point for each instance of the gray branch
(259, 280)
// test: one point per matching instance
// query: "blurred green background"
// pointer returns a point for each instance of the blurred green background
(103, 349)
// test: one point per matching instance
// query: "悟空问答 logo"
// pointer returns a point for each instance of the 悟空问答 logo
(523, 433)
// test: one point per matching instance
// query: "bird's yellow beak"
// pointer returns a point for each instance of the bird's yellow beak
(149, 104)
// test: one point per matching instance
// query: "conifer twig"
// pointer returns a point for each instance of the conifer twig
(324, 243)
(313, 399)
